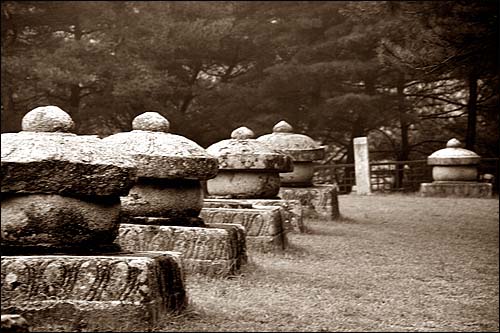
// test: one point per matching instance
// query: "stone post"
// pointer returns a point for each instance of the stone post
(362, 166)
(161, 211)
(249, 170)
(60, 215)
(318, 201)
(455, 173)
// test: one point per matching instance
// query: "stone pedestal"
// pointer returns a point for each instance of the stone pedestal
(318, 201)
(291, 212)
(113, 292)
(215, 250)
(456, 189)
(264, 227)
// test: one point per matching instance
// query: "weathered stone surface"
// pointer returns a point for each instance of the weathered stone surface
(454, 173)
(453, 154)
(123, 292)
(319, 201)
(48, 118)
(158, 154)
(301, 176)
(14, 323)
(257, 222)
(244, 184)
(263, 226)
(291, 212)
(179, 221)
(46, 222)
(456, 189)
(62, 163)
(242, 152)
(238, 236)
(299, 146)
(211, 251)
(163, 198)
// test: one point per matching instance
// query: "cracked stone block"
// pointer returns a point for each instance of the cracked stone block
(115, 292)
(318, 201)
(456, 189)
(291, 212)
(210, 250)
(261, 225)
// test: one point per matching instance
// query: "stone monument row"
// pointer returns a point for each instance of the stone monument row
(248, 175)
(318, 201)
(161, 211)
(61, 269)
(455, 173)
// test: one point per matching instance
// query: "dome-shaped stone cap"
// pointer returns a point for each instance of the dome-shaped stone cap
(158, 154)
(61, 163)
(453, 154)
(48, 118)
(299, 146)
(241, 152)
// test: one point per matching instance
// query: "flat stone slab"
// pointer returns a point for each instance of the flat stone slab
(291, 212)
(456, 189)
(264, 227)
(210, 251)
(63, 163)
(119, 292)
(318, 201)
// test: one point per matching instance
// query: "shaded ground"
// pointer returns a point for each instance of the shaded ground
(393, 263)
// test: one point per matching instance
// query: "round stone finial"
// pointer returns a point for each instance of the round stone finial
(282, 127)
(242, 133)
(151, 121)
(47, 119)
(453, 143)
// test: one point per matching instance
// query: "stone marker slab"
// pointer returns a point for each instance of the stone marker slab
(210, 251)
(264, 227)
(456, 189)
(318, 201)
(118, 292)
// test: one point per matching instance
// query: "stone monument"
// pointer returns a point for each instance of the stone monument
(248, 170)
(60, 215)
(455, 173)
(161, 211)
(319, 201)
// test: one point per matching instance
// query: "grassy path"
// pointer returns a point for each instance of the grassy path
(393, 263)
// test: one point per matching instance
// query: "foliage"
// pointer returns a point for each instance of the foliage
(395, 71)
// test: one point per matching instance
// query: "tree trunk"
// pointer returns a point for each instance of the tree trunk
(74, 105)
(470, 136)
(404, 149)
(11, 121)
(75, 91)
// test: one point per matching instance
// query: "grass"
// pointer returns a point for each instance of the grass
(392, 263)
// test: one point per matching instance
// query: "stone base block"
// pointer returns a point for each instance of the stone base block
(318, 201)
(264, 227)
(211, 250)
(291, 212)
(456, 189)
(116, 292)
(12, 323)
